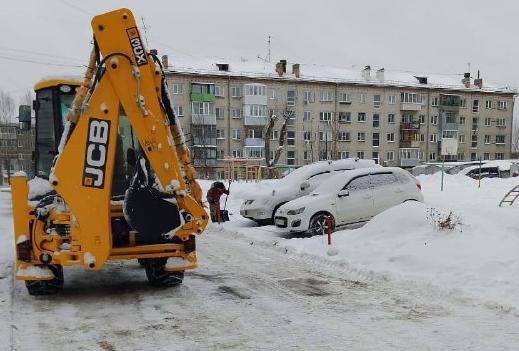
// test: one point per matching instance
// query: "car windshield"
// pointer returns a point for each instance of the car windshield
(303, 173)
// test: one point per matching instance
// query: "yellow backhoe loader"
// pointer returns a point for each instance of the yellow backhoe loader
(122, 185)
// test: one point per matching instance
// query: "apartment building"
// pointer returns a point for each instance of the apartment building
(394, 118)
(16, 147)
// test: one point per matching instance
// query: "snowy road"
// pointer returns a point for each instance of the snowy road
(245, 296)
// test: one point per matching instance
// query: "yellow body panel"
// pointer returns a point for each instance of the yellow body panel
(47, 83)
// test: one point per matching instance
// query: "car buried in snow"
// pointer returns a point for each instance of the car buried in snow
(349, 197)
(262, 207)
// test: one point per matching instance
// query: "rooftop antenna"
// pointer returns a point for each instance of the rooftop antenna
(468, 65)
(268, 54)
(145, 32)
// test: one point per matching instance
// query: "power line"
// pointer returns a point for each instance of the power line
(38, 53)
(19, 59)
(77, 8)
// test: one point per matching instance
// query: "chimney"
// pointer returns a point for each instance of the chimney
(295, 70)
(224, 67)
(478, 82)
(165, 62)
(366, 73)
(380, 74)
(279, 69)
(466, 80)
(284, 63)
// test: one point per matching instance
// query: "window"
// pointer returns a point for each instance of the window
(360, 154)
(463, 103)
(291, 137)
(343, 155)
(488, 104)
(20, 143)
(291, 158)
(306, 155)
(236, 134)
(422, 137)
(256, 110)
(411, 98)
(391, 118)
(461, 138)
(392, 99)
(307, 136)
(462, 120)
(376, 139)
(374, 157)
(179, 111)
(488, 121)
(236, 113)
(377, 101)
(433, 138)
(359, 183)
(343, 136)
(220, 112)
(475, 123)
(361, 117)
(474, 140)
(291, 98)
(501, 105)
(449, 134)
(202, 108)
(434, 120)
(345, 117)
(450, 117)
(220, 134)
(473, 156)
(273, 94)
(434, 101)
(220, 154)
(500, 139)
(325, 116)
(255, 90)
(500, 156)
(274, 135)
(235, 92)
(344, 98)
(236, 153)
(376, 121)
(390, 156)
(421, 118)
(486, 156)
(461, 156)
(475, 106)
(487, 139)
(326, 96)
(432, 156)
(390, 137)
(177, 88)
(381, 179)
(361, 136)
(323, 155)
(501, 122)
(219, 90)
(307, 116)
(325, 136)
(308, 97)
(362, 98)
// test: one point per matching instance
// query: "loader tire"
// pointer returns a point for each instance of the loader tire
(47, 287)
(157, 276)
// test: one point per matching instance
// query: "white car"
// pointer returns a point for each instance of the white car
(349, 197)
(262, 207)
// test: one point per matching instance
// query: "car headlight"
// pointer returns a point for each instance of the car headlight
(248, 202)
(295, 212)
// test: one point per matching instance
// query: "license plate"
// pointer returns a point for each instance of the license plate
(280, 221)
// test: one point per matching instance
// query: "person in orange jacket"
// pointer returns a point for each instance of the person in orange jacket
(213, 197)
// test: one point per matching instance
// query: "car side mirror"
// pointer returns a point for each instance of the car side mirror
(343, 192)
(24, 117)
(305, 185)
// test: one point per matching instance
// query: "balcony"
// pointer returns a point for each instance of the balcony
(409, 144)
(259, 121)
(203, 119)
(410, 126)
(204, 141)
(410, 106)
(203, 92)
(254, 142)
(409, 157)
(208, 162)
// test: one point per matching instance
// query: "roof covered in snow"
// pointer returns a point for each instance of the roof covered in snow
(259, 69)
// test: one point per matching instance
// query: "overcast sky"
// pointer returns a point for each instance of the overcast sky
(427, 36)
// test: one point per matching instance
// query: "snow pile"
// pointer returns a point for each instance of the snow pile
(35, 272)
(38, 187)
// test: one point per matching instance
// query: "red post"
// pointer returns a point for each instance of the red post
(329, 223)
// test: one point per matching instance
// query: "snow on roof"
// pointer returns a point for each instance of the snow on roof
(260, 69)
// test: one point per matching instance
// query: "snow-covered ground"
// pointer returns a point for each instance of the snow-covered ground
(397, 283)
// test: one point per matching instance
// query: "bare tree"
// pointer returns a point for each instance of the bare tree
(273, 118)
(7, 106)
(515, 137)
(27, 98)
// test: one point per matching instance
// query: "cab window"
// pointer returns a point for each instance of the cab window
(359, 183)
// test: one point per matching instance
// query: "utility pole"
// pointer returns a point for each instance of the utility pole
(268, 54)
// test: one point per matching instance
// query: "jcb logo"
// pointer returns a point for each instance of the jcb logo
(96, 149)
(137, 47)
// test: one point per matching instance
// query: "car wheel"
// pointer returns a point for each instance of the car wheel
(319, 224)
(274, 212)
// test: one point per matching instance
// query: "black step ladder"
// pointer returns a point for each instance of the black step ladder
(510, 196)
